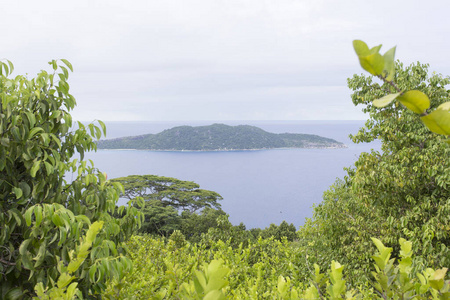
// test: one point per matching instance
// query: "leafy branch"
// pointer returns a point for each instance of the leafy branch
(383, 66)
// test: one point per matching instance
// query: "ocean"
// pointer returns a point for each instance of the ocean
(258, 187)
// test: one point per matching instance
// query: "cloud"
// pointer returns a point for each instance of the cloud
(141, 59)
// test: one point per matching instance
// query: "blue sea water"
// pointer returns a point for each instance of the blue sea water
(258, 187)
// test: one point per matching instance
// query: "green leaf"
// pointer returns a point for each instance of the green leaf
(18, 192)
(75, 264)
(373, 63)
(406, 248)
(64, 279)
(54, 65)
(384, 101)
(56, 219)
(444, 106)
(11, 66)
(440, 274)
(26, 261)
(93, 230)
(438, 121)
(415, 100)
(41, 255)
(214, 295)
(103, 126)
(4, 141)
(14, 294)
(71, 290)
(48, 168)
(31, 118)
(361, 48)
(35, 168)
(92, 271)
(27, 216)
(389, 64)
(17, 215)
(67, 63)
(375, 49)
(25, 188)
(34, 131)
(38, 214)
(378, 244)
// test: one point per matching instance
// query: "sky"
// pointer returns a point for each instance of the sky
(189, 60)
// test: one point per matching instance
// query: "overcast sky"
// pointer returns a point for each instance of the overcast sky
(166, 60)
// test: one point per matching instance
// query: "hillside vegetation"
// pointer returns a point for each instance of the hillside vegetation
(218, 137)
(382, 232)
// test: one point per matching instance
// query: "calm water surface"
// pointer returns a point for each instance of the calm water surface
(258, 187)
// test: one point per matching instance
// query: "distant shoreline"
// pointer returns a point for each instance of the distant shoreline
(225, 150)
(219, 137)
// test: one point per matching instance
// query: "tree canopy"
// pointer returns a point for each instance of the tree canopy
(182, 195)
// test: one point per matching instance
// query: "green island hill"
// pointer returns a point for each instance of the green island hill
(218, 137)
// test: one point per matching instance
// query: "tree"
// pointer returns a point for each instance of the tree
(183, 195)
(159, 219)
(193, 225)
(234, 235)
(278, 232)
(57, 235)
(164, 197)
(401, 192)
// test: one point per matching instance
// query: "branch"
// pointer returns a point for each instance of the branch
(5, 262)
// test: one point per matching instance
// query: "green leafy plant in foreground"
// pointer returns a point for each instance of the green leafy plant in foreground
(190, 271)
(383, 66)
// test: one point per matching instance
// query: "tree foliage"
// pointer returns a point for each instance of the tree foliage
(401, 192)
(159, 219)
(57, 233)
(194, 225)
(181, 195)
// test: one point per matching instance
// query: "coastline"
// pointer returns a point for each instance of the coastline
(225, 150)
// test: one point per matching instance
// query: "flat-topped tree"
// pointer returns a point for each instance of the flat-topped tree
(182, 195)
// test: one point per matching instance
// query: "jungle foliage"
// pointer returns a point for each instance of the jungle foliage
(63, 239)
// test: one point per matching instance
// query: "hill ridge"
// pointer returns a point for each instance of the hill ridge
(218, 137)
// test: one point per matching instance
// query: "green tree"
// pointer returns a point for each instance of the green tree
(235, 235)
(159, 219)
(57, 235)
(182, 195)
(401, 192)
(278, 232)
(193, 225)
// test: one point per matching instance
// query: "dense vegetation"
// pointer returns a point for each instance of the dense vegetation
(265, 269)
(218, 137)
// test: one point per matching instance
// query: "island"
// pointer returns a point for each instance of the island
(218, 137)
